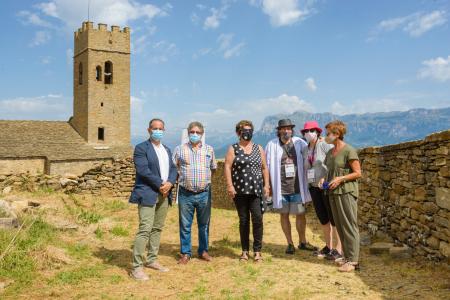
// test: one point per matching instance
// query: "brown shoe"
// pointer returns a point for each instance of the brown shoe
(205, 256)
(184, 259)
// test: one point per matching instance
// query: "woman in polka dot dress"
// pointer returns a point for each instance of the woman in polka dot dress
(247, 181)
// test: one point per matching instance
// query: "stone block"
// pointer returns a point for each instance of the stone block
(444, 248)
(380, 248)
(430, 207)
(400, 252)
(420, 193)
(443, 198)
(433, 242)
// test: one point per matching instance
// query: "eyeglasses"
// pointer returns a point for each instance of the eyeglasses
(195, 132)
(308, 130)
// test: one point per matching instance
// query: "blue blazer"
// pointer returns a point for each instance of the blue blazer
(148, 174)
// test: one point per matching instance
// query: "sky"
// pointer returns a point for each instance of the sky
(221, 61)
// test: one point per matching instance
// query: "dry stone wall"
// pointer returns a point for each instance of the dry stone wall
(405, 193)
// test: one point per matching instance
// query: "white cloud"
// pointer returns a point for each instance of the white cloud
(226, 47)
(40, 37)
(161, 51)
(112, 12)
(48, 107)
(141, 42)
(285, 12)
(437, 69)
(414, 25)
(213, 21)
(46, 60)
(29, 18)
(222, 119)
(370, 105)
(311, 84)
(202, 52)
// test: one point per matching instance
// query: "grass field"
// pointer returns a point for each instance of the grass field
(91, 259)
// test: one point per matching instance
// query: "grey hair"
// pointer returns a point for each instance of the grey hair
(154, 120)
(195, 124)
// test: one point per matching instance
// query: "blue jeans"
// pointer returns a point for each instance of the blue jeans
(188, 203)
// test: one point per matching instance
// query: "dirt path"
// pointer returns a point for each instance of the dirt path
(102, 262)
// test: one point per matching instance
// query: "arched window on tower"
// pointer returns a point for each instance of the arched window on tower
(80, 74)
(98, 73)
(108, 72)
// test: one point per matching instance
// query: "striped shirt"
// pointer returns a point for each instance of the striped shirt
(194, 166)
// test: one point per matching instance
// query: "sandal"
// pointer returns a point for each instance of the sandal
(349, 267)
(244, 256)
(258, 257)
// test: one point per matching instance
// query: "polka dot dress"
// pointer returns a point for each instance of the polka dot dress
(246, 171)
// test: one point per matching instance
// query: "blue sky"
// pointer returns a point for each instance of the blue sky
(220, 61)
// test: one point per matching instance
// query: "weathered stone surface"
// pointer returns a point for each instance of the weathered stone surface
(7, 190)
(380, 248)
(443, 198)
(403, 252)
(444, 248)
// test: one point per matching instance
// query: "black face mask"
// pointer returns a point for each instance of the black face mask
(246, 134)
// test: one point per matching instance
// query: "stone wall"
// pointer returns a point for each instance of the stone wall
(405, 193)
(22, 165)
(114, 179)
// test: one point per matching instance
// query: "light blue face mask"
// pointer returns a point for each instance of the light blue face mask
(195, 138)
(157, 134)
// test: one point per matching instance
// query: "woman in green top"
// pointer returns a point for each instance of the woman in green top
(343, 171)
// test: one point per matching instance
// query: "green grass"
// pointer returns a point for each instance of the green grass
(115, 205)
(42, 191)
(82, 215)
(77, 275)
(3, 213)
(88, 217)
(99, 233)
(119, 231)
(79, 250)
(18, 264)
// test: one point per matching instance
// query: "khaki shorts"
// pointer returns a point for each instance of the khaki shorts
(291, 204)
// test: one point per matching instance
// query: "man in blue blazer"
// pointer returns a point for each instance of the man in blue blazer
(155, 176)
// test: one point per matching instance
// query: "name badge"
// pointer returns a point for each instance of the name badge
(311, 175)
(290, 170)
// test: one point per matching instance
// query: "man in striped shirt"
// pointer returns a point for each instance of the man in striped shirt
(195, 162)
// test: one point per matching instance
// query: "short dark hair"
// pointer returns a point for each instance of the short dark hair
(244, 123)
(154, 120)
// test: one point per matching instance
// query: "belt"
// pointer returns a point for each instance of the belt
(194, 192)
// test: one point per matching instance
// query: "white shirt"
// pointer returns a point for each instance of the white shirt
(163, 159)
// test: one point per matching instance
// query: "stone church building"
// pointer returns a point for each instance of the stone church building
(99, 129)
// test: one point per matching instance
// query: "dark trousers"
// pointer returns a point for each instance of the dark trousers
(247, 205)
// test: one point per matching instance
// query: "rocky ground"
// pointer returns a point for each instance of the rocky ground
(79, 247)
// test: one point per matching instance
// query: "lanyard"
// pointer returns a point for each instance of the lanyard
(312, 157)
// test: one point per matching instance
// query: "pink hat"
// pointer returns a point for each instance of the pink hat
(311, 125)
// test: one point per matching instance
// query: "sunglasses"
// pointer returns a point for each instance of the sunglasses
(308, 130)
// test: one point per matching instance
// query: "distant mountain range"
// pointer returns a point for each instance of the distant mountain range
(363, 130)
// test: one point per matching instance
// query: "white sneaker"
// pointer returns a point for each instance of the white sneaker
(156, 266)
(139, 274)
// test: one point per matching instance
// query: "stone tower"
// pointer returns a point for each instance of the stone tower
(101, 85)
